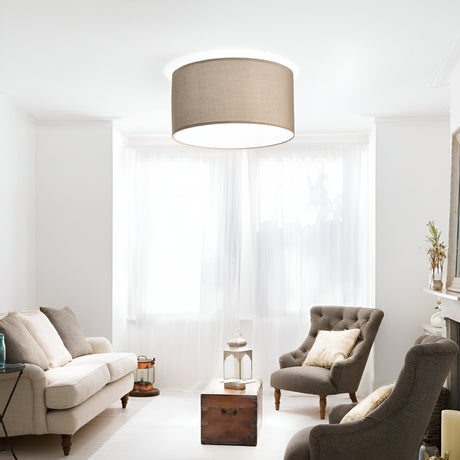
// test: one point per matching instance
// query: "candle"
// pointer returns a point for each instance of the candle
(450, 434)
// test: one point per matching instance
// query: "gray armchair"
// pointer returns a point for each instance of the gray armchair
(396, 428)
(344, 376)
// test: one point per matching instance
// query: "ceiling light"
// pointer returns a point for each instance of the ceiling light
(232, 103)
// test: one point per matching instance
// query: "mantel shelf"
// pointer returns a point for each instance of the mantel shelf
(445, 294)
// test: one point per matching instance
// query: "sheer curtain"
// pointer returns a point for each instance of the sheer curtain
(226, 239)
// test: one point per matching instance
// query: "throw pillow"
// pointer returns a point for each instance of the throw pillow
(66, 324)
(46, 336)
(20, 346)
(368, 404)
(331, 346)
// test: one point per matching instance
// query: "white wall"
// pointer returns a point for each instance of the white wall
(17, 208)
(74, 221)
(412, 187)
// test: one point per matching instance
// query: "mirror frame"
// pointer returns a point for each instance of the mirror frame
(453, 282)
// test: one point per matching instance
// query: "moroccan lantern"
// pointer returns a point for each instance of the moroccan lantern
(237, 360)
(144, 378)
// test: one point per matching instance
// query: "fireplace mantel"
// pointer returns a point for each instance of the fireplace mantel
(449, 303)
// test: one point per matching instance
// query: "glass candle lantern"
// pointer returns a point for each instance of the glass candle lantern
(144, 377)
(237, 359)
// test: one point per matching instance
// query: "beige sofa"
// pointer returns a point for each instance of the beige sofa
(62, 399)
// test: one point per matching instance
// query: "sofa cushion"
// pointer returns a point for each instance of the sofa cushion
(118, 364)
(46, 336)
(20, 346)
(66, 324)
(70, 385)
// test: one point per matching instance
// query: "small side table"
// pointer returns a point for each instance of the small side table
(231, 417)
(7, 369)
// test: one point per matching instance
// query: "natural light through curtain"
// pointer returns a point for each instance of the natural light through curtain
(249, 239)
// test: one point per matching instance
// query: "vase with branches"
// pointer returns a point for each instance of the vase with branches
(436, 255)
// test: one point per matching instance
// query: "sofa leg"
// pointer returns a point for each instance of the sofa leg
(124, 400)
(322, 407)
(66, 443)
(277, 398)
(353, 397)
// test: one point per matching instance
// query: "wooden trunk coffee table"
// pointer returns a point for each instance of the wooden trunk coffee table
(231, 417)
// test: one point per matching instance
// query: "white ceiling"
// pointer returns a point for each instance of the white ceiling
(79, 59)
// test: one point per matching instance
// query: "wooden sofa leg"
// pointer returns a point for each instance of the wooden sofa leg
(277, 398)
(66, 443)
(124, 400)
(322, 407)
(353, 397)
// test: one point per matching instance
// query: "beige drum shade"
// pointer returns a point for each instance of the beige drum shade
(232, 103)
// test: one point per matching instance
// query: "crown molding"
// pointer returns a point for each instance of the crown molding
(145, 140)
(77, 122)
(447, 67)
(327, 137)
(401, 119)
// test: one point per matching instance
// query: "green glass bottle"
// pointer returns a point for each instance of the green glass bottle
(2, 351)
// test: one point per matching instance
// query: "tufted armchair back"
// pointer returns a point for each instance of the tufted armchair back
(342, 318)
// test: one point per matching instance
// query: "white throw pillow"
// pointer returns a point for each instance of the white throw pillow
(331, 346)
(46, 336)
(368, 404)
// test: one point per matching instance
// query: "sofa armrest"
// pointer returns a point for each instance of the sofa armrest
(26, 413)
(100, 344)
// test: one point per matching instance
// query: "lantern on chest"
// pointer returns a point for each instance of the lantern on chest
(144, 377)
(237, 359)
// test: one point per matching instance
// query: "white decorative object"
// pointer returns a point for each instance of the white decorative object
(436, 319)
(237, 360)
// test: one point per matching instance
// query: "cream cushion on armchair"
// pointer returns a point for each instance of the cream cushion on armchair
(368, 404)
(330, 347)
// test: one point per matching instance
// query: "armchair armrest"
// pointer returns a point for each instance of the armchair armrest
(100, 344)
(346, 374)
(289, 360)
(338, 412)
(347, 441)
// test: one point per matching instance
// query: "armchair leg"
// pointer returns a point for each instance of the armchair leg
(322, 407)
(277, 398)
(353, 397)
(66, 441)
(124, 401)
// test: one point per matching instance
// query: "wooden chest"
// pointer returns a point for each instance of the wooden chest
(231, 417)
